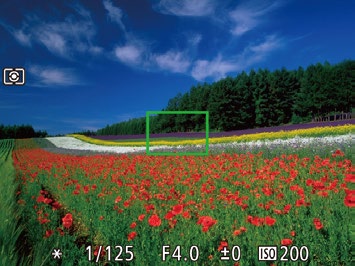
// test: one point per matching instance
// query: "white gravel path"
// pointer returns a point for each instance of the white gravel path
(297, 142)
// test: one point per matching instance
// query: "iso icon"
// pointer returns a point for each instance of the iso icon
(13, 76)
(267, 253)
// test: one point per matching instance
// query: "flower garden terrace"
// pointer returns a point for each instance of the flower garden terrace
(188, 139)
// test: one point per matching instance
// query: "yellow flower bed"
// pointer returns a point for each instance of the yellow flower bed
(311, 132)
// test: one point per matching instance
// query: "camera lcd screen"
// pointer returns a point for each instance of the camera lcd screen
(171, 132)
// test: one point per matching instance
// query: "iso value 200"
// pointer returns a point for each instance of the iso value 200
(293, 253)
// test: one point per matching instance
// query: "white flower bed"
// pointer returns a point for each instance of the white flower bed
(76, 144)
(297, 142)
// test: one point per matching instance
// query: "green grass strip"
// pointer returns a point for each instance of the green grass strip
(10, 227)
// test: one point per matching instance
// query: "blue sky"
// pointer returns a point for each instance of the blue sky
(93, 63)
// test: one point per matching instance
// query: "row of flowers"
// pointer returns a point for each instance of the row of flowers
(311, 132)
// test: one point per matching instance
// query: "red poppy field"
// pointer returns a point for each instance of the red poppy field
(174, 210)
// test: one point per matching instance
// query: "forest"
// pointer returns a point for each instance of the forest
(20, 132)
(256, 99)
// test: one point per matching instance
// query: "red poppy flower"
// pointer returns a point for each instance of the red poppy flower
(47, 201)
(280, 196)
(300, 202)
(277, 211)
(154, 220)
(186, 215)
(86, 189)
(43, 220)
(102, 252)
(177, 209)
(141, 217)
(349, 178)
(349, 199)
(267, 191)
(131, 235)
(287, 208)
(56, 205)
(40, 198)
(286, 242)
(338, 153)
(222, 245)
(133, 225)
(169, 215)
(237, 232)
(149, 207)
(118, 199)
(270, 221)
(48, 233)
(67, 220)
(206, 222)
(255, 220)
(317, 223)
(323, 194)
(309, 182)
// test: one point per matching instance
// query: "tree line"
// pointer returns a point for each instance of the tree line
(260, 98)
(20, 132)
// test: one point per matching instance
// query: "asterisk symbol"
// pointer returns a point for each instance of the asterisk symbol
(56, 253)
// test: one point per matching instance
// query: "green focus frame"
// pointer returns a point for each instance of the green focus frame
(149, 113)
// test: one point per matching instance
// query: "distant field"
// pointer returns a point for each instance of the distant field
(180, 139)
(201, 135)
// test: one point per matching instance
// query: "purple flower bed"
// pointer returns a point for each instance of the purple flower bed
(230, 133)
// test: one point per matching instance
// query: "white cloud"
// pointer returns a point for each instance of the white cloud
(114, 13)
(136, 54)
(62, 38)
(250, 14)
(67, 37)
(175, 62)
(195, 39)
(21, 37)
(219, 67)
(196, 8)
(95, 49)
(46, 76)
(257, 52)
(53, 41)
(129, 54)
(216, 68)
(19, 34)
